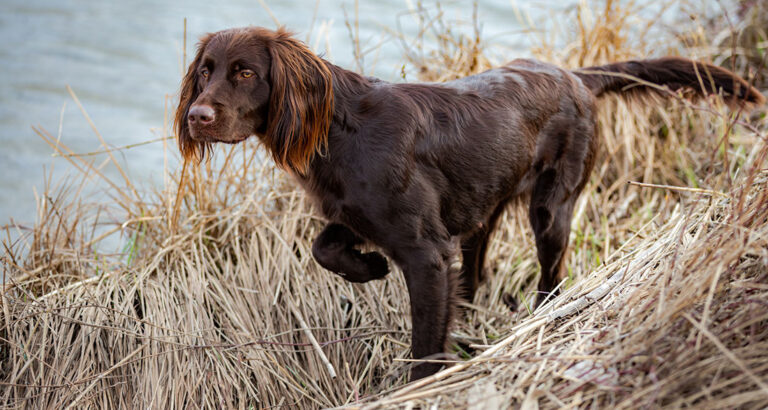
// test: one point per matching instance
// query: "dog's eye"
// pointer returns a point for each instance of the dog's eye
(205, 73)
(246, 73)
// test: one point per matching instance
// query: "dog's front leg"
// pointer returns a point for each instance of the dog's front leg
(430, 289)
(334, 249)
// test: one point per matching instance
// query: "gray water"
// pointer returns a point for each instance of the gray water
(122, 58)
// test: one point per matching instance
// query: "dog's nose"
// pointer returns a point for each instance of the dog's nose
(202, 114)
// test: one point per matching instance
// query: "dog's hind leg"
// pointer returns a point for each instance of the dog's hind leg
(565, 157)
(550, 218)
(334, 249)
(473, 251)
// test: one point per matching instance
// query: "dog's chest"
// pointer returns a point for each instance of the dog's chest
(325, 195)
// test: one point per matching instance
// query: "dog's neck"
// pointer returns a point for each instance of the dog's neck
(348, 87)
(321, 181)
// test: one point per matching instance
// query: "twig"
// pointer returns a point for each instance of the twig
(312, 339)
(681, 188)
(179, 193)
(266, 8)
(74, 285)
(104, 151)
(584, 301)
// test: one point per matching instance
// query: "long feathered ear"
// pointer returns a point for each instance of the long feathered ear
(300, 104)
(190, 149)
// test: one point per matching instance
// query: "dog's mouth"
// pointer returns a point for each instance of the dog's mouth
(207, 138)
(234, 140)
(201, 134)
(218, 131)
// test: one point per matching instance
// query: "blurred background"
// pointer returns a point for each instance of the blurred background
(123, 60)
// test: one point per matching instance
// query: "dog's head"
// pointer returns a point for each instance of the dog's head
(254, 81)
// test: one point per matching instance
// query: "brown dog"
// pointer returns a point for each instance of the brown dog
(419, 169)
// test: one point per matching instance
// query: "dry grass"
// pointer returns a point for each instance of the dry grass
(226, 308)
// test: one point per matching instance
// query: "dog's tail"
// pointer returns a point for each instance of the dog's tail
(643, 77)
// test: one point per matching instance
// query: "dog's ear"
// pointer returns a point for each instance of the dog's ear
(190, 149)
(300, 104)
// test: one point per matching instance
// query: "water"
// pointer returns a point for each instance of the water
(122, 58)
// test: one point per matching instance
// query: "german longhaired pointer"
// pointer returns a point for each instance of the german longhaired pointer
(423, 171)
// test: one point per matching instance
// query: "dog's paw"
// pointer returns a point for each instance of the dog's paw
(365, 267)
(377, 265)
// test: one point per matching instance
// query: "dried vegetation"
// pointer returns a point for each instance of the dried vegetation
(215, 300)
